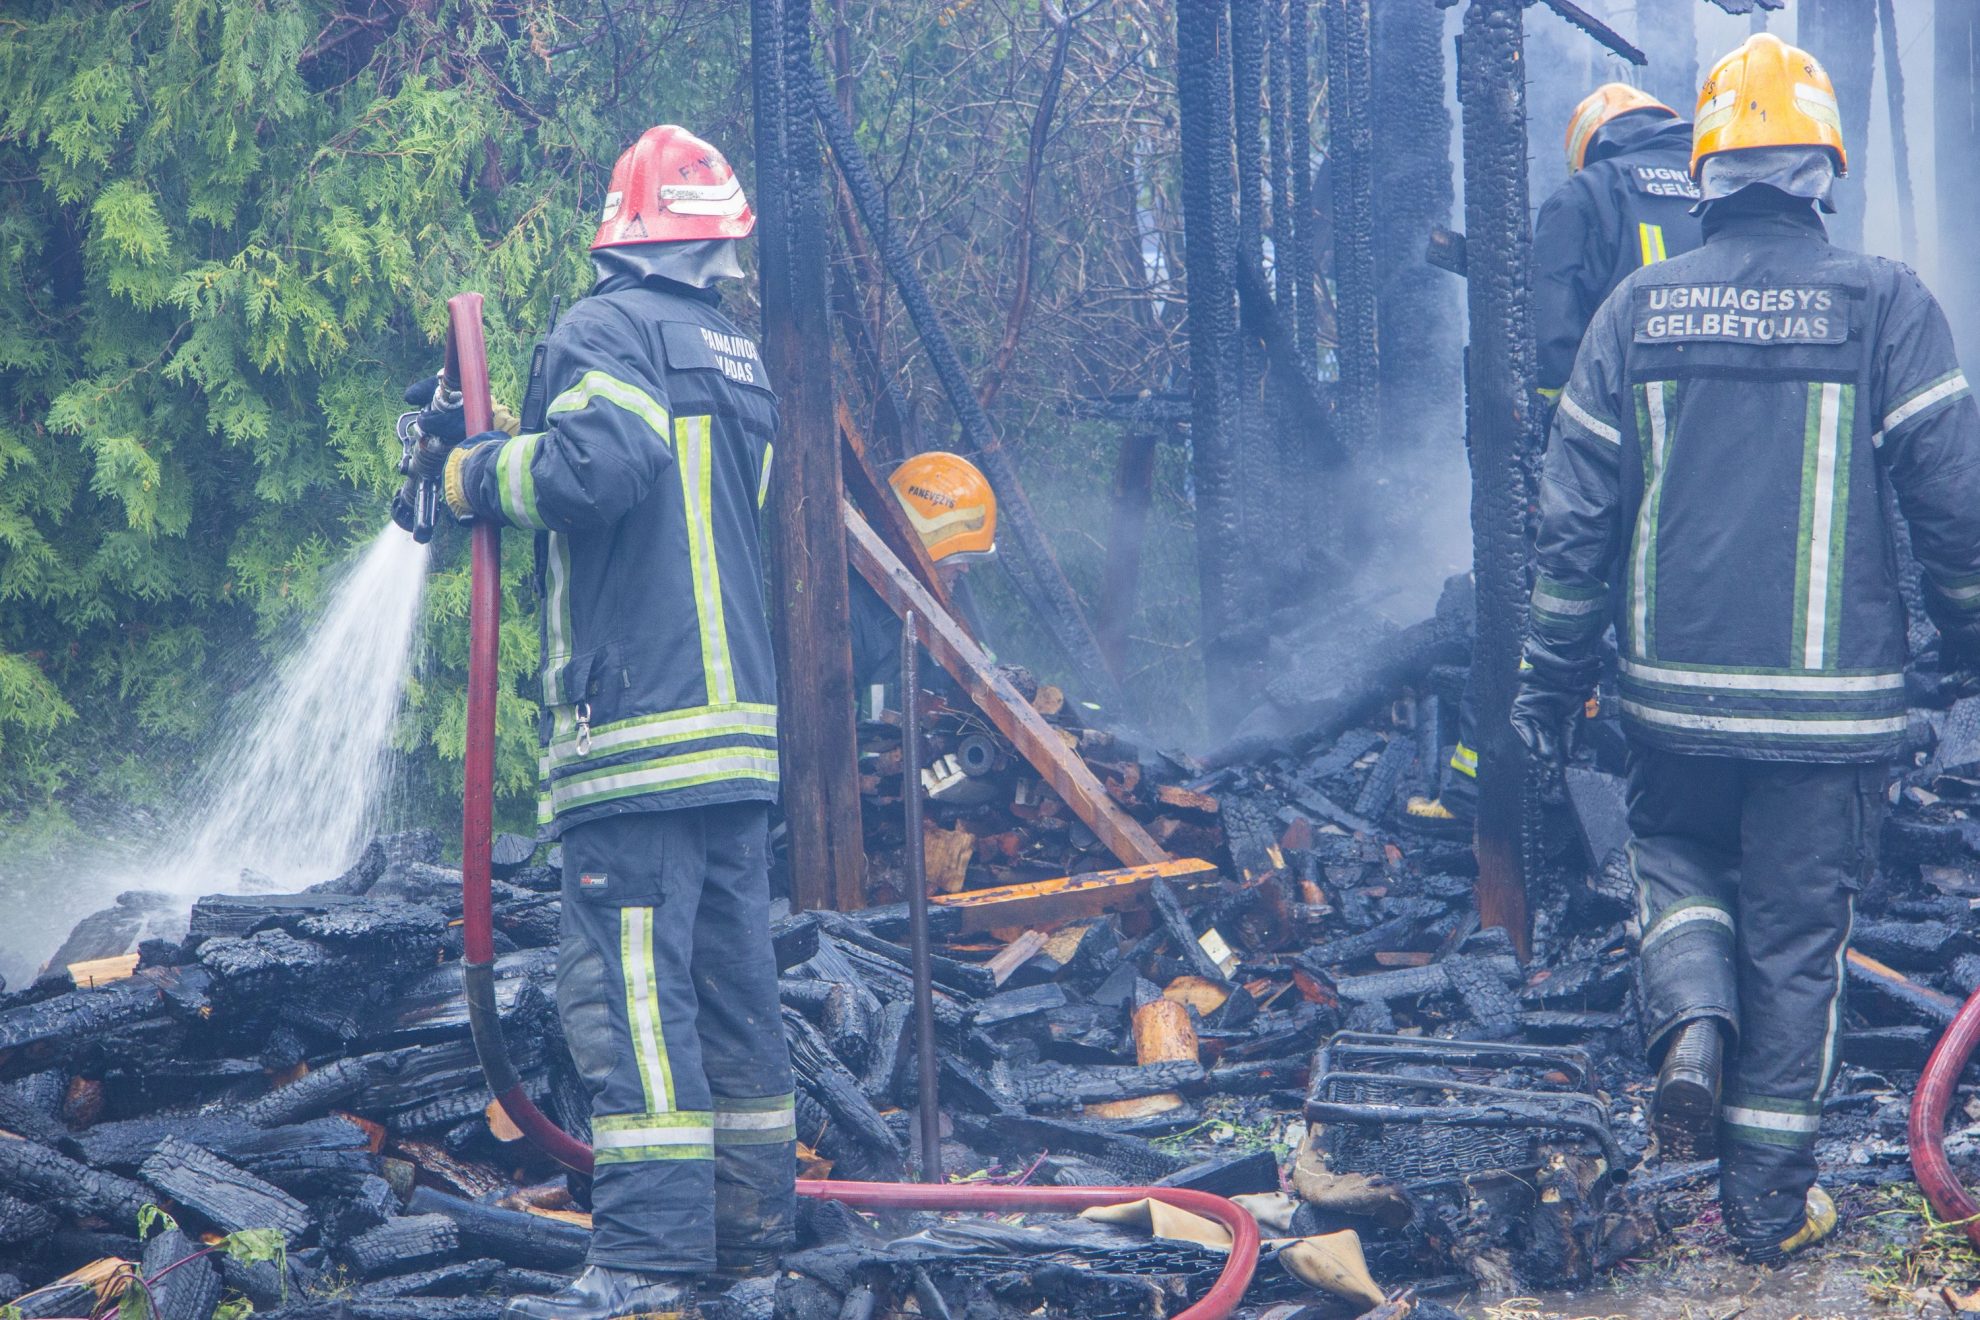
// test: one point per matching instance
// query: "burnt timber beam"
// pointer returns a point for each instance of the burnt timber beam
(1351, 152)
(1233, 647)
(1500, 417)
(810, 624)
(1038, 742)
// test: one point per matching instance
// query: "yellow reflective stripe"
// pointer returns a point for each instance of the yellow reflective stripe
(745, 718)
(1650, 238)
(695, 458)
(664, 773)
(656, 1076)
(1464, 760)
(515, 481)
(599, 385)
(763, 478)
(557, 619)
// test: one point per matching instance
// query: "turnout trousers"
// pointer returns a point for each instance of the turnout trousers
(667, 990)
(1746, 874)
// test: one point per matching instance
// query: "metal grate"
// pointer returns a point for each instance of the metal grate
(1429, 1112)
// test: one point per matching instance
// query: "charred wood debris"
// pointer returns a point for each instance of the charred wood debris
(1311, 1009)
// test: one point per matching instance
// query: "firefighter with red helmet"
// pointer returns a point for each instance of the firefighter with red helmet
(642, 478)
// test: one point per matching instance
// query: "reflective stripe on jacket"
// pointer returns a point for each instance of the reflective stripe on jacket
(1628, 207)
(658, 685)
(1732, 418)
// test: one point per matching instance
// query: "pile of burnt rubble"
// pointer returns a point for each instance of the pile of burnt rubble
(1316, 1013)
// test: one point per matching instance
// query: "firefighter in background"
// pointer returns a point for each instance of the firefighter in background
(1720, 454)
(949, 503)
(643, 479)
(1626, 204)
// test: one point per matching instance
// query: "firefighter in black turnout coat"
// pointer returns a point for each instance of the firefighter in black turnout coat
(643, 479)
(1626, 205)
(1720, 456)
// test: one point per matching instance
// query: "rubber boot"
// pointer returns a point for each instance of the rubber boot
(1818, 1222)
(601, 1293)
(1688, 1081)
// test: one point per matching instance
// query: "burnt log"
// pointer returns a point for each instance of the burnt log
(1482, 989)
(1229, 1175)
(1169, 910)
(239, 915)
(126, 1144)
(1020, 1137)
(415, 1242)
(1051, 1087)
(28, 1167)
(1418, 982)
(314, 1093)
(527, 1240)
(225, 1195)
(837, 1091)
(1915, 945)
(24, 1221)
(449, 1280)
(55, 1300)
(71, 1028)
(182, 1281)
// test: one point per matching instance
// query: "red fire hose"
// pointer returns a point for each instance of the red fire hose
(1929, 1107)
(467, 368)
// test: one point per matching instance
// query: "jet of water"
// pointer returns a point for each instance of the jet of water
(295, 784)
(296, 792)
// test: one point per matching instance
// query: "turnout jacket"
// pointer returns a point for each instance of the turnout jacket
(1722, 451)
(1627, 207)
(644, 487)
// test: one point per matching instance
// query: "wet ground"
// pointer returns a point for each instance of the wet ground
(1891, 1258)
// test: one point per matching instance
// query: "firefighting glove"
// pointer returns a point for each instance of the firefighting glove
(943, 778)
(1553, 685)
(442, 417)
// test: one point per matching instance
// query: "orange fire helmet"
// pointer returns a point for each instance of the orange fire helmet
(671, 187)
(1597, 109)
(950, 503)
(1767, 94)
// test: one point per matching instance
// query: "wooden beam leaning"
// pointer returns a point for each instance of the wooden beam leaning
(1067, 898)
(1038, 742)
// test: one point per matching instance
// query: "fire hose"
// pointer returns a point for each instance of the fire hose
(1929, 1106)
(467, 369)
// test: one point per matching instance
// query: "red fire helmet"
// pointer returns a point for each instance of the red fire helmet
(671, 187)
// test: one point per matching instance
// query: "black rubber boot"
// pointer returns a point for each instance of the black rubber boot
(608, 1294)
(1688, 1081)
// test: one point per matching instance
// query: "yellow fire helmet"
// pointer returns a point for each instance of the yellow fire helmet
(1597, 109)
(950, 503)
(1767, 94)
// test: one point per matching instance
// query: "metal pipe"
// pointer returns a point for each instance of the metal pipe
(926, 1063)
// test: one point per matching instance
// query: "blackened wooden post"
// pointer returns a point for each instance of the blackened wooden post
(809, 619)
(1500, 416)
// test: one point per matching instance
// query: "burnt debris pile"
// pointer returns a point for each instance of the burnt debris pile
(1308, 1014)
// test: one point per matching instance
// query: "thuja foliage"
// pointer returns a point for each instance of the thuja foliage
(229, 228)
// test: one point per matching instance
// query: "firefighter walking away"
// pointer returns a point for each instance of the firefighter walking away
(1719, 455)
